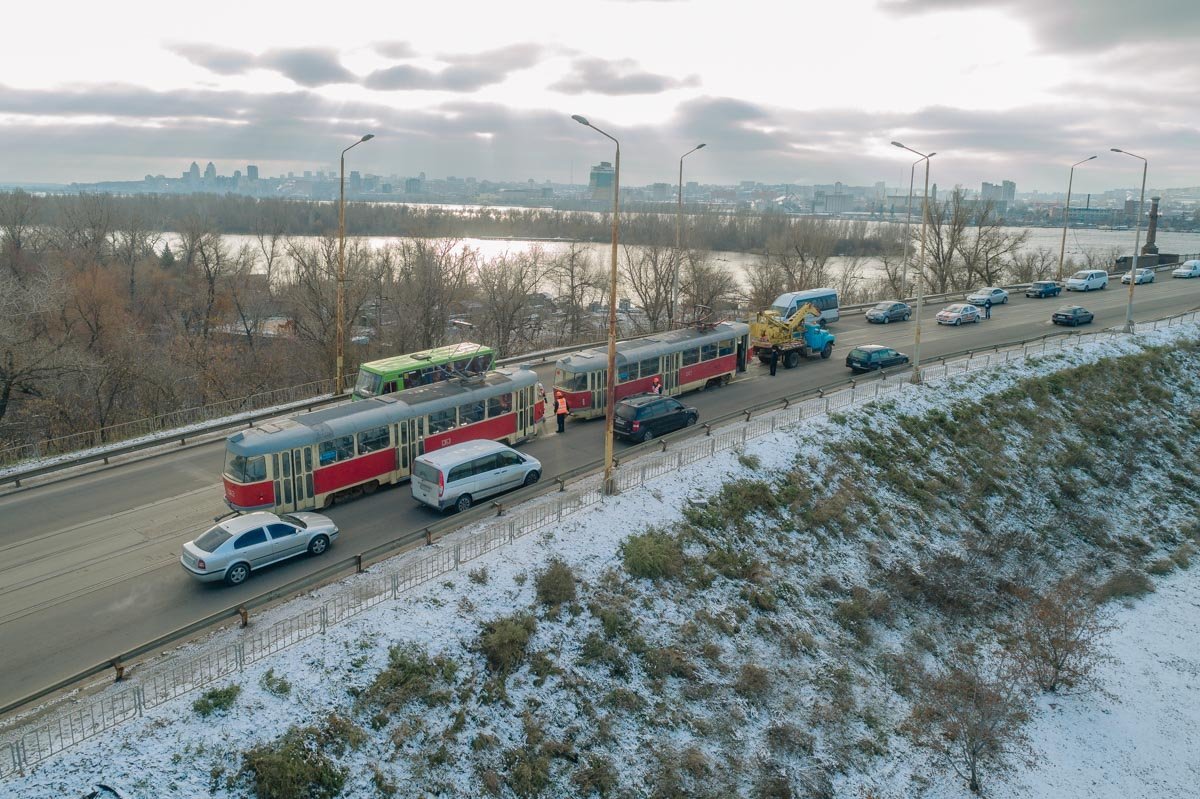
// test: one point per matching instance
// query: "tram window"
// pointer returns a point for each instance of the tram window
(623, 373)
(307, 459)
(648, 367)
(287, 464)
(708, 352)
(372, 440)
(691, 356)
(725, 347)
(441, 421)
(494, 407)
(337, 449)
(470, 414)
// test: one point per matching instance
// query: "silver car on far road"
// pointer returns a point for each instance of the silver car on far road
(233, 548)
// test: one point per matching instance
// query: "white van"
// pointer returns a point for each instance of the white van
(1087, 280)
(460, 475)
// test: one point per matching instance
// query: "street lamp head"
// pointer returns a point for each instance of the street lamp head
(368, 137)
(1092, 158)
(581, 120)
(700, 146)
(898, 144)
(1116, 150)
(931, 155)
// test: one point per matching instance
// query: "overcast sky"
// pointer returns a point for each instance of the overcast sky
(799, 91)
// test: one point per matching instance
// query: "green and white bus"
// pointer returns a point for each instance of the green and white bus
(389, 375)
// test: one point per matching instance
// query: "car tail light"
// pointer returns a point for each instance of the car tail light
(200, 565)
(441, 483)
(635, 426)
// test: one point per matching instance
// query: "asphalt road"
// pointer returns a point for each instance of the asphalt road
(89, 564)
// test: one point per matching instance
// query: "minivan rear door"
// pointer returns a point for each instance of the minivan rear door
(425, 482)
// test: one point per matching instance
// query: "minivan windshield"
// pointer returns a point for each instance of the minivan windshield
(1080, 276)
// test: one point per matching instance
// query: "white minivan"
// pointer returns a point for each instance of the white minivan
(1087, 279)
(462, 474)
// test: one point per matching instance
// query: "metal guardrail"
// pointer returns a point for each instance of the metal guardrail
(28, 743)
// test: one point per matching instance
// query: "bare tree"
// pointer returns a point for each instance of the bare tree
(131, 244)
(1030, 265)
(765, 280)
(83, 227)
(431, 277)
(578, 282)
(33, 334)
(972, 715)
(507, 284)
(944, 229)
(648, 273)
(986, 244)
(311, 296)
(704, 282)
(803, 250)
(1057, 643)
(19, 232)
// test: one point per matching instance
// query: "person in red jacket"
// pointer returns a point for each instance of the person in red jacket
(560, 410)
(656, 385)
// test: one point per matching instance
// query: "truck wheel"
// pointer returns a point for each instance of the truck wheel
(791, 360)
(827, 350)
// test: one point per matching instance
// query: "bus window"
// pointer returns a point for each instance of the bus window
(372, 440)
(648, 367)
(412, 380)
(441, 421)
(725, 347)
(691, 356)
(494, 408)
(336, 449)
(708, 352)
(389, 387)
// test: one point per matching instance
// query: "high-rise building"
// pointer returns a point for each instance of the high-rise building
(193, 173)
(601, 181)
(251, 172)
(1009, 192)
(210, 171)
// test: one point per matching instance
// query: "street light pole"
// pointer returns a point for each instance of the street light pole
(907, 219)
(916, 375)
(671, 310)
(1062, 250)
(1137, 240)
(341, 273)
(610, 391)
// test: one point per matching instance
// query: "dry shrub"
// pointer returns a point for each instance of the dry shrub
(555, 584)
(1127, 584)
(653, 555)
(504, 641)
(753, 682)
(1057, 644)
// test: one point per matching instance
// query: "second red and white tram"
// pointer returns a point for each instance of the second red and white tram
(682, 359)
(310, 460)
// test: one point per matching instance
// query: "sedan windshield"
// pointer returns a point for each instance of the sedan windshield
(883, 306)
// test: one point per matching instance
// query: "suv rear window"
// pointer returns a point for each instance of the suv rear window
(426, 472)
(860, 354)
(626, 411)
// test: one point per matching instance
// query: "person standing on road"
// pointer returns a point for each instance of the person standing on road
(560, 410)
(545, 403)
(774, 360)
(987, 309)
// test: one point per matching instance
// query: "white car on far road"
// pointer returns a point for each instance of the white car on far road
(958, 314)
(1189, 269)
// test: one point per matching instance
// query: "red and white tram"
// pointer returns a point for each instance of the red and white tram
(682, 359)
(310, 460)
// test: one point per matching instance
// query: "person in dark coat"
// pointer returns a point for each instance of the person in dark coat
(987, 310)
(774, 360)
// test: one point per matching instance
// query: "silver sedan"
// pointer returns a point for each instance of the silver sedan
(233, 548)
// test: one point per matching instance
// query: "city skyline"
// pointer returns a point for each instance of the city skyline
(1002, 89)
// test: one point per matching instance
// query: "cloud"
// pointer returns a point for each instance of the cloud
(221, 60)
(394, 49)
(1081, 25)
(464, 73)
(620, 77)
(308, 66)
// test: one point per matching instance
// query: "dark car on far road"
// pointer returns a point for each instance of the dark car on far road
(1043, 288)
(1072, 315)
(642, 417)
(886, 312)
(872, 357)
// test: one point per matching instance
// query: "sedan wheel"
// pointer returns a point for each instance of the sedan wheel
(237, 574)
(691, 420)
(463, 503)
(887, 319)
(957, 322)
(907, 316)
(318, 545)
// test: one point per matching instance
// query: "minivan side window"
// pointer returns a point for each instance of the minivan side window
(487, 463)
(510, 459)
(459, 472)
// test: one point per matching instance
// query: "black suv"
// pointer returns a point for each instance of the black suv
(645, 416)
(870, 357)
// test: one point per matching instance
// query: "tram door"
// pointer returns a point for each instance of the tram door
(406, 441)
(670, 372)
(599, 387)
(302, 478)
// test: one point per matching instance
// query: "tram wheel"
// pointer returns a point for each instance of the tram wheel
(370, 487)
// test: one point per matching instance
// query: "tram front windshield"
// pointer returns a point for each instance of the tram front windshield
(368, 384)
(570, 381)
(241, 469)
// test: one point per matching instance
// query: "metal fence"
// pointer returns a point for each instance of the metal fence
(30, 743)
